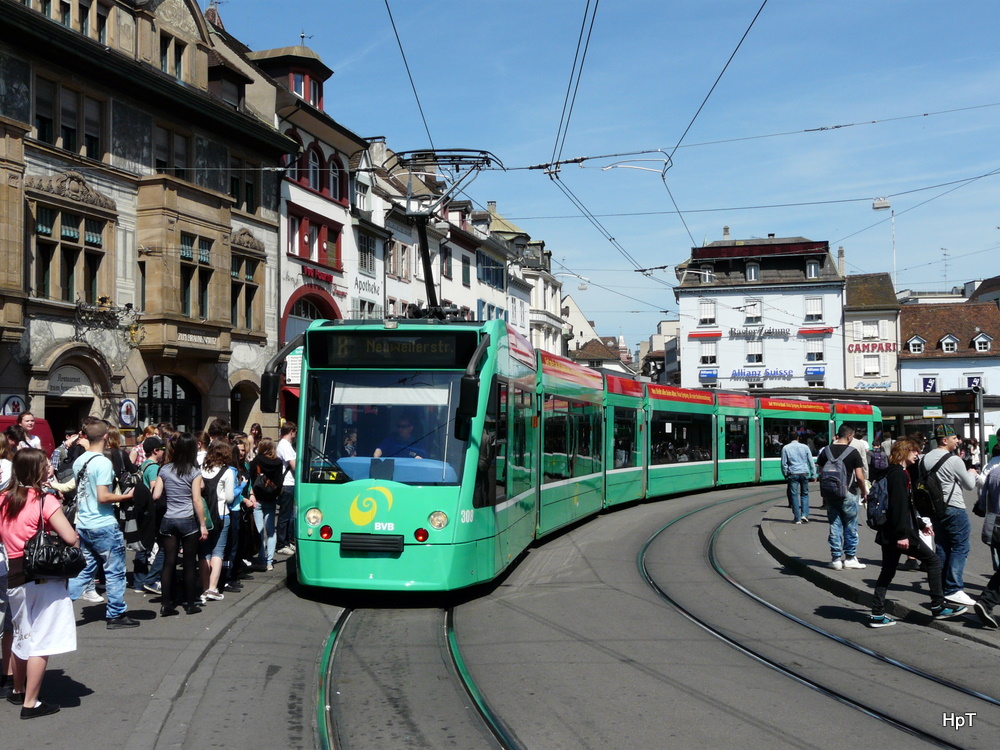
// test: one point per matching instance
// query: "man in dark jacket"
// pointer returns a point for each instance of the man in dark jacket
(900, 535)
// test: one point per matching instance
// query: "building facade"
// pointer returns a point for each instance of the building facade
(761, 314)
(871, 333)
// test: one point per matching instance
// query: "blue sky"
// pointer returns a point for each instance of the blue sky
(905, 91)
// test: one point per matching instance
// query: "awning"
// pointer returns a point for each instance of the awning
(814, 331)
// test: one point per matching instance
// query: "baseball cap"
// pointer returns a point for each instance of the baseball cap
(151, 444)
(943, 431)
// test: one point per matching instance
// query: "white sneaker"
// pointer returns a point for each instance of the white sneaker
(837, 564)
(854, 564)
(960, 597)
(92, 596)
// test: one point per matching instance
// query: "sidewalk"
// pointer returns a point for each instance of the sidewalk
(128, 680)
(804, 550)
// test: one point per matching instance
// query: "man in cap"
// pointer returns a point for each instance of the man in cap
(952, 529)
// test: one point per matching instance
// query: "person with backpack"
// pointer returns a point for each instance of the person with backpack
(989, 500)
(146, 575)
(219, 480)
(841, 481)
(899, 534)
(944, 475)
(266, 474)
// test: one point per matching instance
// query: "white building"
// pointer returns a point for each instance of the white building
(761, 313)
(871, 332)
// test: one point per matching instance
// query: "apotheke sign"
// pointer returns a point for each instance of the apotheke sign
(759, 333)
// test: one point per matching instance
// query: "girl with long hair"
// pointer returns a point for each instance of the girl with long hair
(183, 524)
(42, 612)
(255, 436)
(217, 472)
(268, 464)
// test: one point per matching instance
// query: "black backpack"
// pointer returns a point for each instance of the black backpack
(210, 500)
(878, 504)
(834, 477)
(928, 495)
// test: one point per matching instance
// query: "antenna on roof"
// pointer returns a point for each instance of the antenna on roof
(303, 37)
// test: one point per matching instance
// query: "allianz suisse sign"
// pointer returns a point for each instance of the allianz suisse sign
(870, 347)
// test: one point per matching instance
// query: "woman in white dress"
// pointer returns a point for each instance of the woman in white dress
(44, 623)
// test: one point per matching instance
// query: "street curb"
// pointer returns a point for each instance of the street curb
(147, 729)
(844, 588)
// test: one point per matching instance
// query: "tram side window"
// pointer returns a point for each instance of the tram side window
(519, 448)
(626, 448)
(556, 455)
(676, 437)
(587, 439)
(736, 437)
(781, 430)
(503, 448)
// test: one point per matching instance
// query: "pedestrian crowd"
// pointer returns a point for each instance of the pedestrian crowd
(922, 518)
(217, 504)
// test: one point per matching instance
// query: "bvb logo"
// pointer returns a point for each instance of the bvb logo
(364, 508)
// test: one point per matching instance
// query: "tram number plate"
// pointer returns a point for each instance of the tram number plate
(467, 516)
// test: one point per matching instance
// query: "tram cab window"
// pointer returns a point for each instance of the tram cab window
(781, 430)
(677, 437)
(406, 415)
(736, 437)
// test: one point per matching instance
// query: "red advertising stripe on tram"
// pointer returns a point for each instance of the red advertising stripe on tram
(852, 408)
(570, 372)
(669, 393)
(735, 399)
(783, 404)
(624, 386)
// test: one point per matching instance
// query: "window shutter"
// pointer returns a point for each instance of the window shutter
(883, 327)
(859, 366)
(858, 330)
(883, 365)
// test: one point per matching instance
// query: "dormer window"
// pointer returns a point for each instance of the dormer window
(982, 342)
(753, 271)
(707, 274)
(812, 269)
(306, 87)
(949, 344)
(916, 346)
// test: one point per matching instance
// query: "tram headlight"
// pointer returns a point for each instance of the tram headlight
(314, 516)
(438, 519)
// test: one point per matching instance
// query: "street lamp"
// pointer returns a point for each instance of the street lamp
(881, 204)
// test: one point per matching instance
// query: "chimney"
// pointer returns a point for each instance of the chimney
(770, 235)
(840, 260)
(491, 206)
(725, 234)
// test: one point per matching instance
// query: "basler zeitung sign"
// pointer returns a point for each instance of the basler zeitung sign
(759, 333)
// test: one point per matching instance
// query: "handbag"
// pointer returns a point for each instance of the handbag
(46, 555)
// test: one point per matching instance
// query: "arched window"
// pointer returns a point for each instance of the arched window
(315, 172)
(170, 398)
(335, 175)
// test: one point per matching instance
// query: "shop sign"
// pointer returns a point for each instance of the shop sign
(929, 385)
(368, 287)
(871, 347)
(70, 382)
(883, 385)
(931, 412)
(759, 333)
(815, 372)
(127, 413)
(14, 405)
(708, 374)
(742, 374)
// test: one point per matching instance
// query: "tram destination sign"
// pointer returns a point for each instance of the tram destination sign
(395, 350)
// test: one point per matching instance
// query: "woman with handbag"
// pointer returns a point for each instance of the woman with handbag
(183, 524)
(216, 472)
(44, 622)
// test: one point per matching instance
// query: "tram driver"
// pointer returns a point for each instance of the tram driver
(401, 443)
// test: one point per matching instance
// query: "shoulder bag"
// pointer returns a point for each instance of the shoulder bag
(46, 555)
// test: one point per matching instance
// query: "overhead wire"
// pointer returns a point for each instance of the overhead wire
(575, 76)
(413, 85)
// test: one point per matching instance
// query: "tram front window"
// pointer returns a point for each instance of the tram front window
(390, 425)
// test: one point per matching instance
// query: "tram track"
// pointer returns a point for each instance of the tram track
(860, 702)
(371, 696)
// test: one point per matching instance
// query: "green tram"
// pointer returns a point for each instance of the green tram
(431, 454)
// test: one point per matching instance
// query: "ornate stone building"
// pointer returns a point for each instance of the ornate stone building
(139, 212)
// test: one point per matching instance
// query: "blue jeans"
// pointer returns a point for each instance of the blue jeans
(798, 493)
(146, 571)
(107, 546)
(951, 538)
(267, 547)
(843, 517)
(286, 516)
